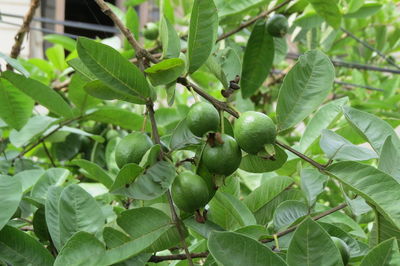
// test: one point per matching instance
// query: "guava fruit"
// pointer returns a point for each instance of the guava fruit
(202, 118)
(277, 25)
(131, 148)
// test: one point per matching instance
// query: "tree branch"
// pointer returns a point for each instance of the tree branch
(365, 44)
(19, 37)
(252, 20)
(177, 257)
(315, 218)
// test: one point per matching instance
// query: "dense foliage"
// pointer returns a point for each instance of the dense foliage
(241, 132)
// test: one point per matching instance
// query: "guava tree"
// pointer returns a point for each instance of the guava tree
(239, 132)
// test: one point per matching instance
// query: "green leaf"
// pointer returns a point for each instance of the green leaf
(338, 148)
(216, 69)
(311, 245)
(56, 56)
(385, 254)
(52, 214)
(153, 182)
(15, 64)
(113, 69)
(78, 96)
(182, 136)
(35, 126)
(68, 43)
(94, 172)
(202, 33)
(376, 187)
(132, 23)
(28, 178)
(257, 59)
(233, 249)
(81, 249)
(16, 107)
(225, 207)
(204, 229)
(256, 164)
(304, 88)
(371, 128)
(171, 44)
(40, 93)
(388, 162)
(117, 116)
(312, 184)
(125, 177)
(19, 249)
(230, 63)
(231, 8)
(81, 68)
(266, 192)
(288, 212)
(383, 230)
(165, 71)
(52, 176)
(329, 11)
(324, 117)
(99, 89)
(10, 196)
(368, 9)
(78, 212)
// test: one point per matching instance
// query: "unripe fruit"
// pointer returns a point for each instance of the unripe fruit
(189, 192)
(253, 130)
(131, 148)
(202, 118)
(150, 31)
(222, 158)
(277, 25)
(343, 248)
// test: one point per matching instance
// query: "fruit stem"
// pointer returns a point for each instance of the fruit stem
(276, 242)
(196, 98)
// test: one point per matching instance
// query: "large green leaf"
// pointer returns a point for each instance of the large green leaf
(368, 9)
(10, 196)
(81, 249)
(288, 212)
(338, 148)
(94, 172)
(153, 182)
(117, 116)
(68, 43)
(256, 164)
(28, 178)
(312, 183)
(371, 128)
(383, 230)
(171, 43)
(257, 59)
(388, 162)
(182, 136)
(202, 33)
(16, 107)
(15, 64)
(19, 249)
(329, 11)
(385, 254)
(233, 249)
(165, 71)
(226, 207)
(52, 214)
(376, 187)
(269, 190)
(311, 245)
(304, 88)
(109, 66)
(78, 96)
(99, 89)
(52, 176)
(125, 177)
(40, 93)
(325, 116)
(230, 8)
(78, 211)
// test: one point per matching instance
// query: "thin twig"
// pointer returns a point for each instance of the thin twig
(19, 37)
(48, 154)
(365, 44)
(302, 156)
(315, 218)
(177, 257)
(252, 20)
(140, 51)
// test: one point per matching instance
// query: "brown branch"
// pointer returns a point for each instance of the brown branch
(48, 154)
(177, 257)
(315, 218)
(252, 20)
(140, 51)
(302, 156)
(19, 37)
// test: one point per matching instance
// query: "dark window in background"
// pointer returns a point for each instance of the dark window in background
(86, 11)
